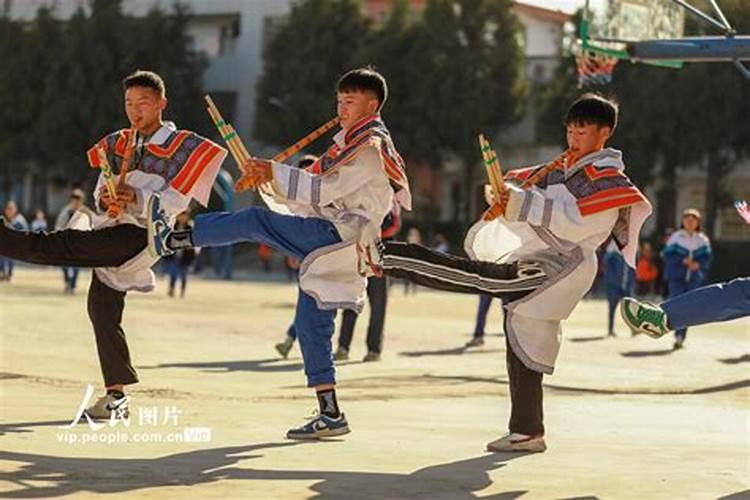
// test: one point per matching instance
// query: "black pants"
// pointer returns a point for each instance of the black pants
(526, 412)
(105, 307)
(377, 295)
(440, 271)
(108, 247)
(437, 270)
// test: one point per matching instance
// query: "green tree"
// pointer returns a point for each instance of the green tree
(65, 92)
(468, 79)
(302, 63)
(14, 103)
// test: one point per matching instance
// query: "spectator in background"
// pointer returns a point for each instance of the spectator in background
(14, 220)
(646, 272)
(661, 281)
(178, 265)
(264, 255)
(73, 211)
(687, 259)
(413, 237)
(484, 308)
(619, 279)
(39, 224)
(440, 243)
(292, 268)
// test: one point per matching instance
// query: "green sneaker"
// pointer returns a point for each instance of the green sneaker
(644, 317)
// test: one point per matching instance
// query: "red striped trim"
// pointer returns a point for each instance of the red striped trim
(520, 174)
(186, 170)
(361, 123)
(619, 202)
(607, 193)
(199, 169)
(93, 156)
(172, 148)
(122, 142)
(595, 173)
(392, 168)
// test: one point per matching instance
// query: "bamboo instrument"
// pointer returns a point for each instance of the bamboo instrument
(492, 165)
(246, 182)
(109, 181)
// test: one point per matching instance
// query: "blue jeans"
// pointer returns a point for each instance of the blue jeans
(614, 295)
(70, 275)
(6, 267)
(677, 288)
(484, 307)
(294, 236)
(719, 302)
(177, 271)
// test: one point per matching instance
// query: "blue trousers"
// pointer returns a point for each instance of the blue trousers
(484, 307)
(719, 302)
(6, 267)
(614, 295)
(177, 271)
(296, 237)
(70, 275)
(677, 288)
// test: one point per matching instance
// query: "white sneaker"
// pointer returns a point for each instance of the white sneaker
(107, 404)
(514, 441)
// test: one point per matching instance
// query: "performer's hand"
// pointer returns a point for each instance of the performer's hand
(259, 170)
(125, 194)
(497, 208)
(489, 196)
(104, 199)
(743, 210)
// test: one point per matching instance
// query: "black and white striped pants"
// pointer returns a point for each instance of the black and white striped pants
(450, 273)
(508, 282)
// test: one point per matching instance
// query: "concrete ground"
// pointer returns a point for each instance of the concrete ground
(626, 417)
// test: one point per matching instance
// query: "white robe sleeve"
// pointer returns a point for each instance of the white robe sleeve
(299, 186)
(172, 201)
(557, 211)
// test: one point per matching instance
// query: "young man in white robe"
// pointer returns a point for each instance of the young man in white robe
(327, 216)
(178, 164)
(536, 250)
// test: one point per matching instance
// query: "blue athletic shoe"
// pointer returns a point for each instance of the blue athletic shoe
(320, 426)
(158, 228)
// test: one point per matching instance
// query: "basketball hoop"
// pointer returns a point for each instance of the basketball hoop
(594, 68)
(607, 36)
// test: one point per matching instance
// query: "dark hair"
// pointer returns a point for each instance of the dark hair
(306, 161)
(142, 78)
(594, 109)
(364, 79)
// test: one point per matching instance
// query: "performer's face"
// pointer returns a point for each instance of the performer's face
(353, 106)
(144, 106)
(586, 138)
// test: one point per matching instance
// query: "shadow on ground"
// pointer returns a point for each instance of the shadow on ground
(456, 351)
(43, 476)
(646, 354)
(270, 365)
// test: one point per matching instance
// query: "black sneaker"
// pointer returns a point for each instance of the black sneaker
(320, 426)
